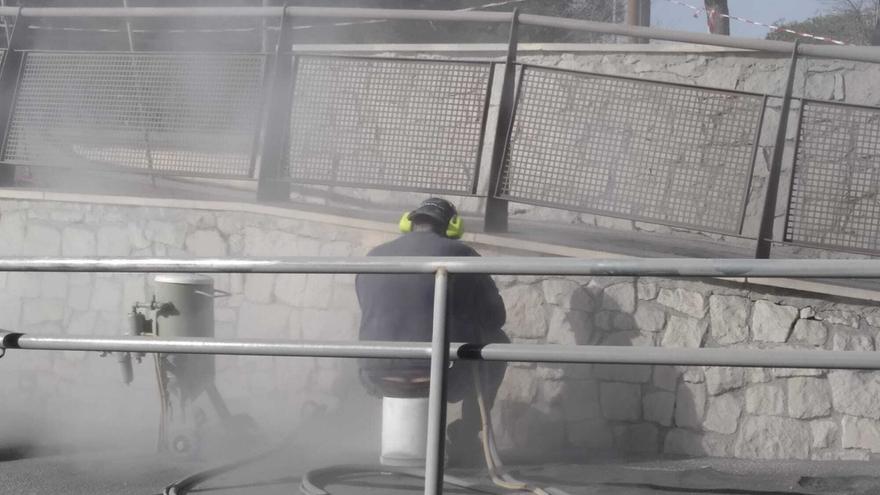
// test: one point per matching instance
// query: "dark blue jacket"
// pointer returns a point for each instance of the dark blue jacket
(399, 307)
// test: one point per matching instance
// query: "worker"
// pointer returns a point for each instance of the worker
(399, 307)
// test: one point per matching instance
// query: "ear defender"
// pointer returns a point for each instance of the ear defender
(405, 223)
(455, 228)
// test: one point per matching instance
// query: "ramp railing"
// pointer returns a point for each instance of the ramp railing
(677, 155)
(440, 351)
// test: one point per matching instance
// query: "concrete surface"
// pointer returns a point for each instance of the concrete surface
(125, 473)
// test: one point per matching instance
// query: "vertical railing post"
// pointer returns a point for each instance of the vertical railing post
(435, 454)
(496, 209)
(638, 13)
(765, 232)
(271, 186)
(9, 74)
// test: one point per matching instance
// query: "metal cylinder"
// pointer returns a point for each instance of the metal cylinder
(404, 422)
(187, 310)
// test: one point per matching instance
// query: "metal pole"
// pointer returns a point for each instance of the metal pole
(271, 186)
(496, 217)
(10, 70)
(645, 14)
(140, 103)
(128, 28)
(227, 347)
(435, 453)
(264, 34)
(6, 21)
(635, 16)
(765, 232)
(256, 12)
(632, 12)
(739, 358)
(501, 265)
(545, 353)
(860, 53)
(855, 53)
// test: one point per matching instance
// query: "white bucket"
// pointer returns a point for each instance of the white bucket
(404, 431)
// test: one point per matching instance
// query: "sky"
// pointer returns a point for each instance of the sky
(665, 13)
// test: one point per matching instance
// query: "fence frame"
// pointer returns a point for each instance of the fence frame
(10, 74)
(13, 76)
(804, 102)
(755, 146)
(474, 178)
(271, 187)
(440, 350)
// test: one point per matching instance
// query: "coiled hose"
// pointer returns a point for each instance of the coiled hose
(183, 486)
(493, 462)
(490, 453)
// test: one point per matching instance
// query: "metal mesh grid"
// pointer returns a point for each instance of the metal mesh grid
(834, 200)
(192, 114)
(398, 124)
(643, 150)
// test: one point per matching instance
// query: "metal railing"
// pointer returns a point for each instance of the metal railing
(396, 123)
(440, 351)
(834, 202)
(170, 114)
(420, 125)
(675, 154)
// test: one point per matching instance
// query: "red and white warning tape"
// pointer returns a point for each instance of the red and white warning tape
(713, 15)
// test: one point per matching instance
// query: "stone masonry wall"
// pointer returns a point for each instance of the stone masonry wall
(542, 411)
(714, 411)
(37, 386)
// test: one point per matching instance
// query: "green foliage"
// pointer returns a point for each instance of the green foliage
(844, 26)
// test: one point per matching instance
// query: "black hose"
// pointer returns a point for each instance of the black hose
(183, 486)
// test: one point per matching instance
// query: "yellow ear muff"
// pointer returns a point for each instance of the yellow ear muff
(405, 223)
(455, 229)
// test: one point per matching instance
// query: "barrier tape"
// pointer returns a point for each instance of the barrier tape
(713, 14)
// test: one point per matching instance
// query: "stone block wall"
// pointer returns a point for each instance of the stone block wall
(542, 411)
(74, 395)
(701, 411)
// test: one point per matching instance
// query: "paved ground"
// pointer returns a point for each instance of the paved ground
(126, 473)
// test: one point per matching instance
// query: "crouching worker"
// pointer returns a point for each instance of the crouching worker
(399, 307)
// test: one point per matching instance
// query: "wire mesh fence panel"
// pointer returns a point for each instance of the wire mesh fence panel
(393, 124)
(184, 114)
(834, 201)
(657, 152)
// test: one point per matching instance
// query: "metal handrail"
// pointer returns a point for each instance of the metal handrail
(500, 265)
(458, 351)
(439, 351)
(854, 53)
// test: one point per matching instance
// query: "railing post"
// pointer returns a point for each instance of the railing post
(271, 185)
(435, 454)
(9, 74)
(765, 232)
(496, 209)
